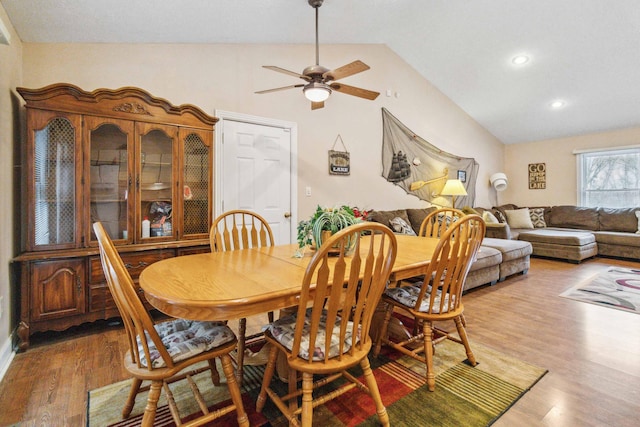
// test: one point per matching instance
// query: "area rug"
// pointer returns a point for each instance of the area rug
(617, 287)
(464, 396)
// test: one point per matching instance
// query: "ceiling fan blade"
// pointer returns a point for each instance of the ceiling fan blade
(284, 71)
(345, 71)
(279, 88)
(355, 91)
(317, 105)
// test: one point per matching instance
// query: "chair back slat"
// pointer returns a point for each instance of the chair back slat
(239, 229)
(437, 222)
(138, 323)
(344, 289)
(450, 264)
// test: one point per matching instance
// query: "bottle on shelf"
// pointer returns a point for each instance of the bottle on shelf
(146, 227)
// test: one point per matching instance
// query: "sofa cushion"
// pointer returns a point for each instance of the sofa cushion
(638, 216)
(519, 218)
(617, 238)
(574, 217)
(385, 217)
(486, 257)
(557, 237)
(621, 219)
(416, 216)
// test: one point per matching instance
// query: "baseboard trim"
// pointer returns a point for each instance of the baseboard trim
(6, 356)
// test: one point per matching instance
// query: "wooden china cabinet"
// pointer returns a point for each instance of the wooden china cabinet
(116, 156)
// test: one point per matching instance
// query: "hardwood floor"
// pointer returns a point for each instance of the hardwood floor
(592, 354)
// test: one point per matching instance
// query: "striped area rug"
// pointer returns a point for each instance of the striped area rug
(469, 396)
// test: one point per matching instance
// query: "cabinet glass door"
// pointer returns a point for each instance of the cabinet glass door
(196, 176)
(53, 181)
(156, 178)
(110, 148)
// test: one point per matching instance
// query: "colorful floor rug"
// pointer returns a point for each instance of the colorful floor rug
(464, 396)
(617, 287)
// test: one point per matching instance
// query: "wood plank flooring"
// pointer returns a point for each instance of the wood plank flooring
(592, 354)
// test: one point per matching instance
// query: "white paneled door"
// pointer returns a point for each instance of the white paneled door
(256, 173)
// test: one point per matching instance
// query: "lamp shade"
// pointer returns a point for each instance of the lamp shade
(317, 92)
(499, 181)
(453, 187)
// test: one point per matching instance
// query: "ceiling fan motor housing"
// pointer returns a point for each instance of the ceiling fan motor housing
(315, 3)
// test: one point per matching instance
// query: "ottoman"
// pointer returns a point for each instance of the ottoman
(516, 255)
(573, 246)
(485, 269)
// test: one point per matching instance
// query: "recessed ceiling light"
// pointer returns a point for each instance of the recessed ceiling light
(558, 104)
(520, 59)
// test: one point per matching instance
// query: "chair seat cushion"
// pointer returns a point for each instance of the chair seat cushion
(283, 330)
(408, 295)
(186, 338)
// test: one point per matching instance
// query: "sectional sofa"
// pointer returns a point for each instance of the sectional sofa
(570, 233)
(497, 258)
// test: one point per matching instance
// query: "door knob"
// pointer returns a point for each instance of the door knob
(287, 214)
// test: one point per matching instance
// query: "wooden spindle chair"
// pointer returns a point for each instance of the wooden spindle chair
(438, 298)
(162, 352)
(330, 331)
(235, 230)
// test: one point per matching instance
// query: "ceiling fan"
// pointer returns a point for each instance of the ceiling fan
(321, 81)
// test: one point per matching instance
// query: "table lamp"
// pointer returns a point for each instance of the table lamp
(453, 188)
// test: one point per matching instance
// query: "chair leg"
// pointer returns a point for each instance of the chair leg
(462, 332)
(215, 375)
(375, 392)
(428, 354)
(242, 331)
(270, 316)
(307, 399)
(382, 335)
(131, 400)
(266, 380)
(152, 404)
(234, 390)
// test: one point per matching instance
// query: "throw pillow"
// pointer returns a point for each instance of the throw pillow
(489, 218)
(519, 218)
(500, 216)
(537, 217)
(638, 216)
(399, 225)
(468, 210)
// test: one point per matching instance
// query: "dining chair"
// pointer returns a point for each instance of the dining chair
(162, 352)
(438, 297)
(438, 221)
(329, 333)
(234, 230)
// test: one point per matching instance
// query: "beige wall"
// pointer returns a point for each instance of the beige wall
(225, 76)
(560, 162)
(10, 77)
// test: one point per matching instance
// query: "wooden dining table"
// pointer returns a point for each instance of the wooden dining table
(236, 284)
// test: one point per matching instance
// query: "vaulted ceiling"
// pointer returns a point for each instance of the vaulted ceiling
(585, 53)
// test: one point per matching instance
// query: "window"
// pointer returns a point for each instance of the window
(609, 178)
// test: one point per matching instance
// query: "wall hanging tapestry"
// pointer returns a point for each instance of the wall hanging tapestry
(421, 168)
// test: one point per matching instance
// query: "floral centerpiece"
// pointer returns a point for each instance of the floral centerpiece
(327, 221)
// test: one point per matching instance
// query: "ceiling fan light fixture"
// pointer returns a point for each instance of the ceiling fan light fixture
(317, 92)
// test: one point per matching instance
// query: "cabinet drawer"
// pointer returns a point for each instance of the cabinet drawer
(134, 262)
(194, 250)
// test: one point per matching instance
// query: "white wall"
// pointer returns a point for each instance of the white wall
(560, 162)
(10, 77)
(225, 77)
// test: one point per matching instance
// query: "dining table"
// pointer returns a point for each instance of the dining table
(241, 283)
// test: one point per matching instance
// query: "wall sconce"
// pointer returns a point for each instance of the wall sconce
(499, 181)
(453, 188)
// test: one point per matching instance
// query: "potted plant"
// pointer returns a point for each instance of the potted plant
(325, 222)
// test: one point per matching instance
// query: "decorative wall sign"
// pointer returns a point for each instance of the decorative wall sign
(339, 162)
(537, 176)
